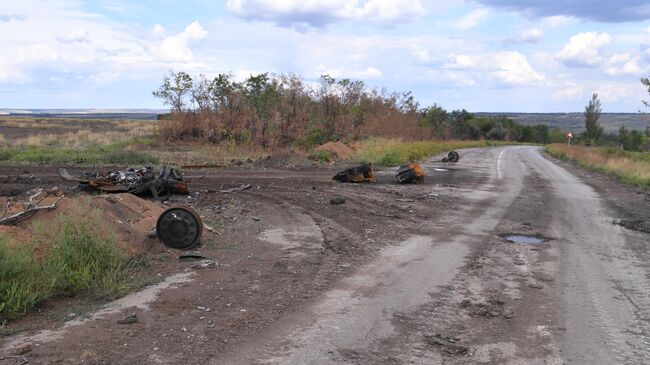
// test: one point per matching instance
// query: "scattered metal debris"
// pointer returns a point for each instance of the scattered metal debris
(241, 187)
(192, 256)
(138, 181)
(446, 344)
(452, 156)
(130, 319)
(33, 201)
(410, 173)
(179, 227)
(337, 200)
(357, 174)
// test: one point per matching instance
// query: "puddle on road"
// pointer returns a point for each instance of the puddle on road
(525, 240)
(438, 169)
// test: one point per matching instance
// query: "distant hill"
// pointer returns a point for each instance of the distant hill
(141, 114)
(575, 122)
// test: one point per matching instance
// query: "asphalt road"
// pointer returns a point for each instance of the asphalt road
(465, 295)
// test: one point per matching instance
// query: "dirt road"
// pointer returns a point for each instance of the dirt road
(396, 275)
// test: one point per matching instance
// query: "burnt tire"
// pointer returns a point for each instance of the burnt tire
(179, 227)
(453, 156)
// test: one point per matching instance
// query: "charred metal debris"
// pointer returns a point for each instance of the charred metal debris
(137, 181)
(357, 174)
(452, 156)
(410, 173)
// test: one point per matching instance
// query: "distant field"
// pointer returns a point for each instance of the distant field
(575, 122)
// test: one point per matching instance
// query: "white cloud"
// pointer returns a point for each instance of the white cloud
(570, 91)
(177, 48)
(12, 17)
(513, 69)
(460, 61)
(583, 49)
(319, 13)
(78, 36)
(616, 92)
(9, 72)
(531, 35)
(472, 19)
(624, 64)
(421, 54)
(557, 21)
(157, 30)
(369, 73)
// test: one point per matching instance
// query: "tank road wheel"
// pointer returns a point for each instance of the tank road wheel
(453, 156)
(179, 227)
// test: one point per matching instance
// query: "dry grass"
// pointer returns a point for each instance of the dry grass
(631, 167)
(66, 132)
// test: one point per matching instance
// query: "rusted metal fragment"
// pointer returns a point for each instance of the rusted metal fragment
(410, 173)
(357, 174)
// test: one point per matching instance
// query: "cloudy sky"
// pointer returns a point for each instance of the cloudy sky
(481, 55)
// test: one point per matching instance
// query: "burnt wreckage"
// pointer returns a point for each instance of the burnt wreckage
(137, 181)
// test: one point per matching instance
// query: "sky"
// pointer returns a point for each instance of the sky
(480, 55)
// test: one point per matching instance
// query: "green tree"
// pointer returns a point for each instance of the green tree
(594, 133)
(647, 131)
(622, 136)
(175, 89)
(434, 117)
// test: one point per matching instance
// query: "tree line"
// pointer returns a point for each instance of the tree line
(625, 139)
(283, 110)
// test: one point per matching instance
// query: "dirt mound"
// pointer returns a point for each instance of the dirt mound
(338, 150)
(129, 216)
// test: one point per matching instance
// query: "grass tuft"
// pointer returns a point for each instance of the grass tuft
(69, 255)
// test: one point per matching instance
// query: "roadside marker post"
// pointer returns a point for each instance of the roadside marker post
(569, 136)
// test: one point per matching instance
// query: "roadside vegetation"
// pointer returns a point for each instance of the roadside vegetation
(392, 152)
(69, 255)
(283, 112)
(630, 167)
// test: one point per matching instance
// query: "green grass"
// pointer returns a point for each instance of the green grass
(323, 156)
(70, 255)
(118, 153)
(387, 152)
(632, 168)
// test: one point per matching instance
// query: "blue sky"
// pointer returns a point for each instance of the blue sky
(481, 55)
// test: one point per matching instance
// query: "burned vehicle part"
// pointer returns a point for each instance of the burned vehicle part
(138, 181)
(179, 227)
(410, 173)
(452, 156)
(357, 174)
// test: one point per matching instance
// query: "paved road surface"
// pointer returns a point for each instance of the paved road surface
(464, 295)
